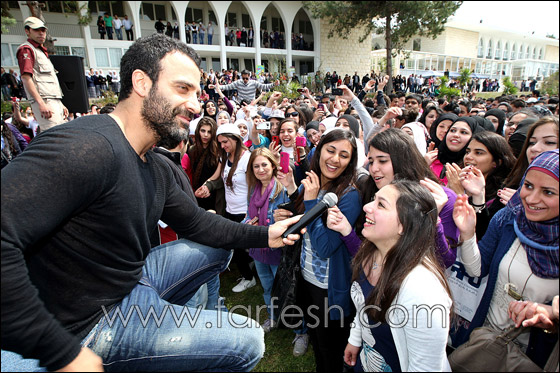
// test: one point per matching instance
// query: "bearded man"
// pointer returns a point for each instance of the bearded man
(79, 208)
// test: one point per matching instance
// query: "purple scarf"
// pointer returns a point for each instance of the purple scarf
(540, 239)
(258, 205)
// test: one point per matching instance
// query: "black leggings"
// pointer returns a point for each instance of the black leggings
(241, 256)
(328, 338)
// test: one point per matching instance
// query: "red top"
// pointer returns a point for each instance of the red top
(26, 57)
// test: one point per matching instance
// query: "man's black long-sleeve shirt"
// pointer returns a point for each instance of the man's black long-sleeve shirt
(78, 207)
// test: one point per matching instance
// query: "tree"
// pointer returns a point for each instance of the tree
(550, 84)
(509, 87)
(464, 77)
(398, 20)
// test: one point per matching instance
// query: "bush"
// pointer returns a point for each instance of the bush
(550, 85)
(509, 87)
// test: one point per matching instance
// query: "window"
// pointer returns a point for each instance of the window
(534, 53)
(263, 24)
(197, 14)
(115, 54)
(173, 15)
(101, 57)
(417, 45)
(277, 24)
(541, 53)
(489, 50)
(54, 6)
(7, 59)
(249, 64)
(62, 50)
(13, 4)
(231, 19)
(506, 52)
(245, 21)
(79, 51)
(147, 12)
(160, 11)
(212, 17)
(216, 64)
(305, 27)
(498, 52)
(527, 53)
(513, 51)
(480, 53)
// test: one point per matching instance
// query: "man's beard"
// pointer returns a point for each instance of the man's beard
(161, 117)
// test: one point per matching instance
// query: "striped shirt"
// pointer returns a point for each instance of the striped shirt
(246, 91)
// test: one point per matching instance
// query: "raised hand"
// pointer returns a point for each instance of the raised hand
(312, 186)
(338, 222)
(472, 181)
(437, 192)
(453, 181)
(464, 217)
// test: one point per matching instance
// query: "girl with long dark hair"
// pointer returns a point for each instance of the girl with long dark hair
(325, 262)
(394, 272)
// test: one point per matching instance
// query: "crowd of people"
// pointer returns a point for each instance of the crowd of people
(424, 187)
(107, 24)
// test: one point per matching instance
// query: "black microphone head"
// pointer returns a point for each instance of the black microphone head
(330, 199)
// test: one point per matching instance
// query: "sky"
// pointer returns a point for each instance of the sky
(521, 16)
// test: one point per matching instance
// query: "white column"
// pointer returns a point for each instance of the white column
(257, 43)
(86, 33)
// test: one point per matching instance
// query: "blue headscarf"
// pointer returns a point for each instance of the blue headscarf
(540, 239)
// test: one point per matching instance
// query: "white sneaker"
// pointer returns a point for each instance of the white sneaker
(268, 325)
(244, 285)
(300, 344)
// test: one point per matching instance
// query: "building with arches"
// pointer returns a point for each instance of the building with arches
(285, 17)
(487, 51)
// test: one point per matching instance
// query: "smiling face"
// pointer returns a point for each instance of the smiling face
(211, 108)
(314, 136)
(222, 119)
(288, 133)
(274, 126)
(442, 128)
(539, 196)
(263, 169)
(380, 167)
(458, 136)
(174, 100)
(477, 155)
(382, 226)
(335, 157)
(544, 138)
(292, 113)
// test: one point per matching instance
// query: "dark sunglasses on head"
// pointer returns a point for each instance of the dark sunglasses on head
(293, 114)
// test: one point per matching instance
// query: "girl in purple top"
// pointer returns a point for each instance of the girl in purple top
(393, 156)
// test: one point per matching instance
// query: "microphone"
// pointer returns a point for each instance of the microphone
(329, 200)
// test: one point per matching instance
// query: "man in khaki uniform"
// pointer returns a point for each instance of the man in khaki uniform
(39, 76)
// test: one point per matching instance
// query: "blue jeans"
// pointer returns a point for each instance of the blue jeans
(109, 32)
(194, 38)
(118, 32)
(201, 38)
(210, 39)
(266, 274)
(151, 330)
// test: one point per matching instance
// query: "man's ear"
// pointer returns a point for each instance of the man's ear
(141, 83)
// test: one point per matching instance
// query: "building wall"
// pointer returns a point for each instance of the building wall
(344, 55)
(551, 53)
(460, 42)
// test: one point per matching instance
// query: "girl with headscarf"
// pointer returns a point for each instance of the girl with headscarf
(498, 119)
(416, 130)
(518, 253)
(454, 145)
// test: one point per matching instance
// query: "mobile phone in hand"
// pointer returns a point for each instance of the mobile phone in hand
(254, 220)
(301, 141)
(275, 141)
(284, 162)
(301, 90)
(337, 91)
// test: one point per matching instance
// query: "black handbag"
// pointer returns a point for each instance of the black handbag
(285, 286)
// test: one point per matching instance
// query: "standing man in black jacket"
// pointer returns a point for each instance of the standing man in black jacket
(80, 282)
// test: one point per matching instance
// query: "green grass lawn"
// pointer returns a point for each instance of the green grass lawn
(278, 356)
